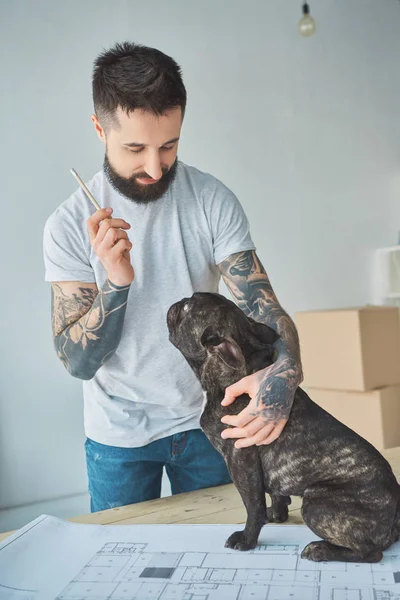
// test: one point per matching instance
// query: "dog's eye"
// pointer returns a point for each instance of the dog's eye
(185, 307)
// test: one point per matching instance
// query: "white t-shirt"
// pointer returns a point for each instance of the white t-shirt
(146, 390)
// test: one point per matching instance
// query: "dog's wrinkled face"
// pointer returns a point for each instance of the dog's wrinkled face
(217, 339)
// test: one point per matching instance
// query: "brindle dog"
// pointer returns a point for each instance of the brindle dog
(350, 494)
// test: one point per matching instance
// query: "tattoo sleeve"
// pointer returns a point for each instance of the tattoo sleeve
(87, 325)
(251, 289)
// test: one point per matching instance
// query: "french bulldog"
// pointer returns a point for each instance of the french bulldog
(350, 494)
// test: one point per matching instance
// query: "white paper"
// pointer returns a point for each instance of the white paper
(50, 558)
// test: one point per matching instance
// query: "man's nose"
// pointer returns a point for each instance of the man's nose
(152, 166)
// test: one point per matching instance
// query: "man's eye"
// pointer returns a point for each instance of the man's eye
(141, 149)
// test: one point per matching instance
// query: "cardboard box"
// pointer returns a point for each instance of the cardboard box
(374, 415)
(356, 349)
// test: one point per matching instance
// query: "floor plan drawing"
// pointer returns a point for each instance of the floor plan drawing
(66, 561)
(270, 572)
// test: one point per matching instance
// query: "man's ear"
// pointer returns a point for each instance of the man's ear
(225, 348)
(98, 128)
(263, 333)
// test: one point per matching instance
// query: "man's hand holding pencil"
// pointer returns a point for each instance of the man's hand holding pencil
(112, 245)
(109, 241)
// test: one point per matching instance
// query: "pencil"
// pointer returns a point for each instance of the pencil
(92, 199)
(85, 189)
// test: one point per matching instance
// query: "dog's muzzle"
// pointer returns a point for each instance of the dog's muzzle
(175, 315)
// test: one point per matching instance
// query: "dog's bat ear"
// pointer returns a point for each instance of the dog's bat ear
(225, 348)
(265, 334)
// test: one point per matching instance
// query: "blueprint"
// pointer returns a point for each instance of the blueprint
(54, 559)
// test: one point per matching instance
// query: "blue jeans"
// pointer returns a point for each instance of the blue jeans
(121, 476)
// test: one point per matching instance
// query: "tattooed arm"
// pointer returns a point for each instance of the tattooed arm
(250, 287)
(87, 324)
(272, 389)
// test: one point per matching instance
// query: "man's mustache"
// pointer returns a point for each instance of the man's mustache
(146, 176)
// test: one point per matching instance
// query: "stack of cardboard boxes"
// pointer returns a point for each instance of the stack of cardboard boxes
(351, 366)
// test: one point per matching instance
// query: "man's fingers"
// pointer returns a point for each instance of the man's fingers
(257, 438)
(227, 401)
(110, 225)
(94, 221)
(121, 247)
(256, 433)
(239, 420)
(275, 433)
(233, 391)
(248, 431)
(102, 217)
(110, 239)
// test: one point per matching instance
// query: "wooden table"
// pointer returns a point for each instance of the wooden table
(218, 505)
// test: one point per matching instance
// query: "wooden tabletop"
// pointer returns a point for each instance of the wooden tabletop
(217, 505)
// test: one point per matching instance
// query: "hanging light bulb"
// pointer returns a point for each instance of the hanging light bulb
(307, 24)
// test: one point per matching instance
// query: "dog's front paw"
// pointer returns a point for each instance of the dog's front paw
(237, 541)
(315, 551)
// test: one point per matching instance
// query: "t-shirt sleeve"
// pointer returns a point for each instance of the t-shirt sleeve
(229, 224)
(64, 250)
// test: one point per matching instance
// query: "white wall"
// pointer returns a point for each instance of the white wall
(305, 131)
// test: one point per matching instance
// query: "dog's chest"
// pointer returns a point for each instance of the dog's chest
(212, 412)
(210, 420)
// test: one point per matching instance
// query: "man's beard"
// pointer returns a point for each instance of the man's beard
(135, 191)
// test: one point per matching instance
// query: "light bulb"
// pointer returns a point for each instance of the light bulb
(307, 24)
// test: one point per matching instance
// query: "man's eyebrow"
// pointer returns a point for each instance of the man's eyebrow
(138, 145)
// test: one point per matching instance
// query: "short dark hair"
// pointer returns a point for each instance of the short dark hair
(132, 76)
